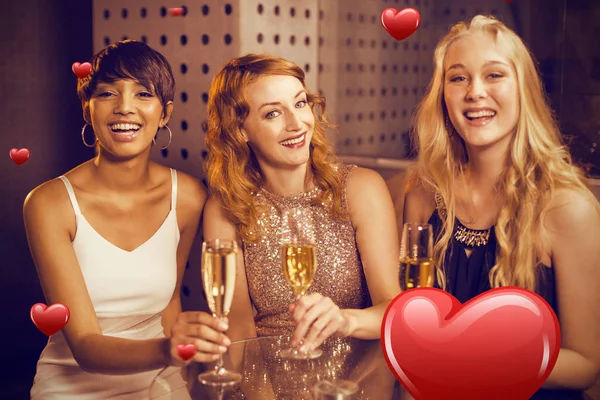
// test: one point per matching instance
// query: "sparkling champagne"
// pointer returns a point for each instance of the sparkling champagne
(218, 274)
(299, 263)
(416, 272)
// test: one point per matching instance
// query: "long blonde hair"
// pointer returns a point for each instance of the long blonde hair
(538, 161)
(232, 171)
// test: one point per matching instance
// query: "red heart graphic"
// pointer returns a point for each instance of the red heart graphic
(400, 24)
(186, 351)
(176, 12)
(19, 156)
(501, 344)
(49, 320)
(82, 70)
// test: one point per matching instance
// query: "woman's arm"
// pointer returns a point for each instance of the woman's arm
(191, 327)
(419, 204)
(397, 186)
(218, 226)
(572, 225)
(372, 214)
(191, 198)
(50, 224)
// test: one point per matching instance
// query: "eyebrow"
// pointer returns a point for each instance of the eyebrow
(456, 66)
(113, 82)
(277, 102)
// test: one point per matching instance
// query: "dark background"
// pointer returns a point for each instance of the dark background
(40, 111)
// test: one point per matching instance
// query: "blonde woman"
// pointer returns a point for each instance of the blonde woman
(497, 183)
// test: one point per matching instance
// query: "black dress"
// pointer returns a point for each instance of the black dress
(467, 277)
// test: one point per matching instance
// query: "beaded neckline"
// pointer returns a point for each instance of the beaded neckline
(470, 238)
(299, 196)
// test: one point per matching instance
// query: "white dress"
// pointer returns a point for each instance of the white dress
(129, 291)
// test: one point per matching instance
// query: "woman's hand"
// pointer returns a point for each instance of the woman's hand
(203, 331)
(317, 318)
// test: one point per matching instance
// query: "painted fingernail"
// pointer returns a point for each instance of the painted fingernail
(222, 349)
(226, 341)
(223, 325)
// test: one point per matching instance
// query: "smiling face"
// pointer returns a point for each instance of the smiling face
(126, 116)
(480, 91)
(279, 126)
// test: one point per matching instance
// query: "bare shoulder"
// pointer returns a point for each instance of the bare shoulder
(191, 192)
(216, 220)
(363, 181)
(571, 210)
(367, 196)
(419, 202)
(47, 208)
(214, 206)
(216, 213)
(416, 190)
(48, 200)
(397, 184)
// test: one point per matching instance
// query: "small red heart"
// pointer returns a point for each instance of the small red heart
(400, 24)
(49, 320)
(501, 344)
(82, 70)
(176, 12)
(19, 156)
(186, 351)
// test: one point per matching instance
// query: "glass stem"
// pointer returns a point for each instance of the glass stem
(219, 365)
(220, 392)
(295, 351)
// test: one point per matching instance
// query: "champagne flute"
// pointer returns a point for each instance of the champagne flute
(416, 252)
(219, 259)
(299, 262)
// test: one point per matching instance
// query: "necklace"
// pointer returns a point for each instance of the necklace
(470, 238)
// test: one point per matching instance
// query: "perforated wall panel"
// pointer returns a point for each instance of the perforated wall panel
(371, 81)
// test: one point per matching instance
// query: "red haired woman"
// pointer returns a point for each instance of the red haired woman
(268, 153)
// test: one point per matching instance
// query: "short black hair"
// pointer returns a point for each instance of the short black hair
(129, 59)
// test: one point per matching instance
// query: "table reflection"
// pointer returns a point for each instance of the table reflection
(266, 376)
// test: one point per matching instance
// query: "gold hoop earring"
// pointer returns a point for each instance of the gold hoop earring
(170, 137)
(83, 137)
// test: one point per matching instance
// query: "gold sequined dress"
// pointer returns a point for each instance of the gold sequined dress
(339, 274)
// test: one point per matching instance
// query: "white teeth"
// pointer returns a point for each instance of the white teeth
(125, 127)
(479, 114)
(293, 141)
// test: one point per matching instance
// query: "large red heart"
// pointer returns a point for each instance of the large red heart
(19, 156)
(186, 351)
(400, 24)
(49, 320)
(81, 70)
(501, 344)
